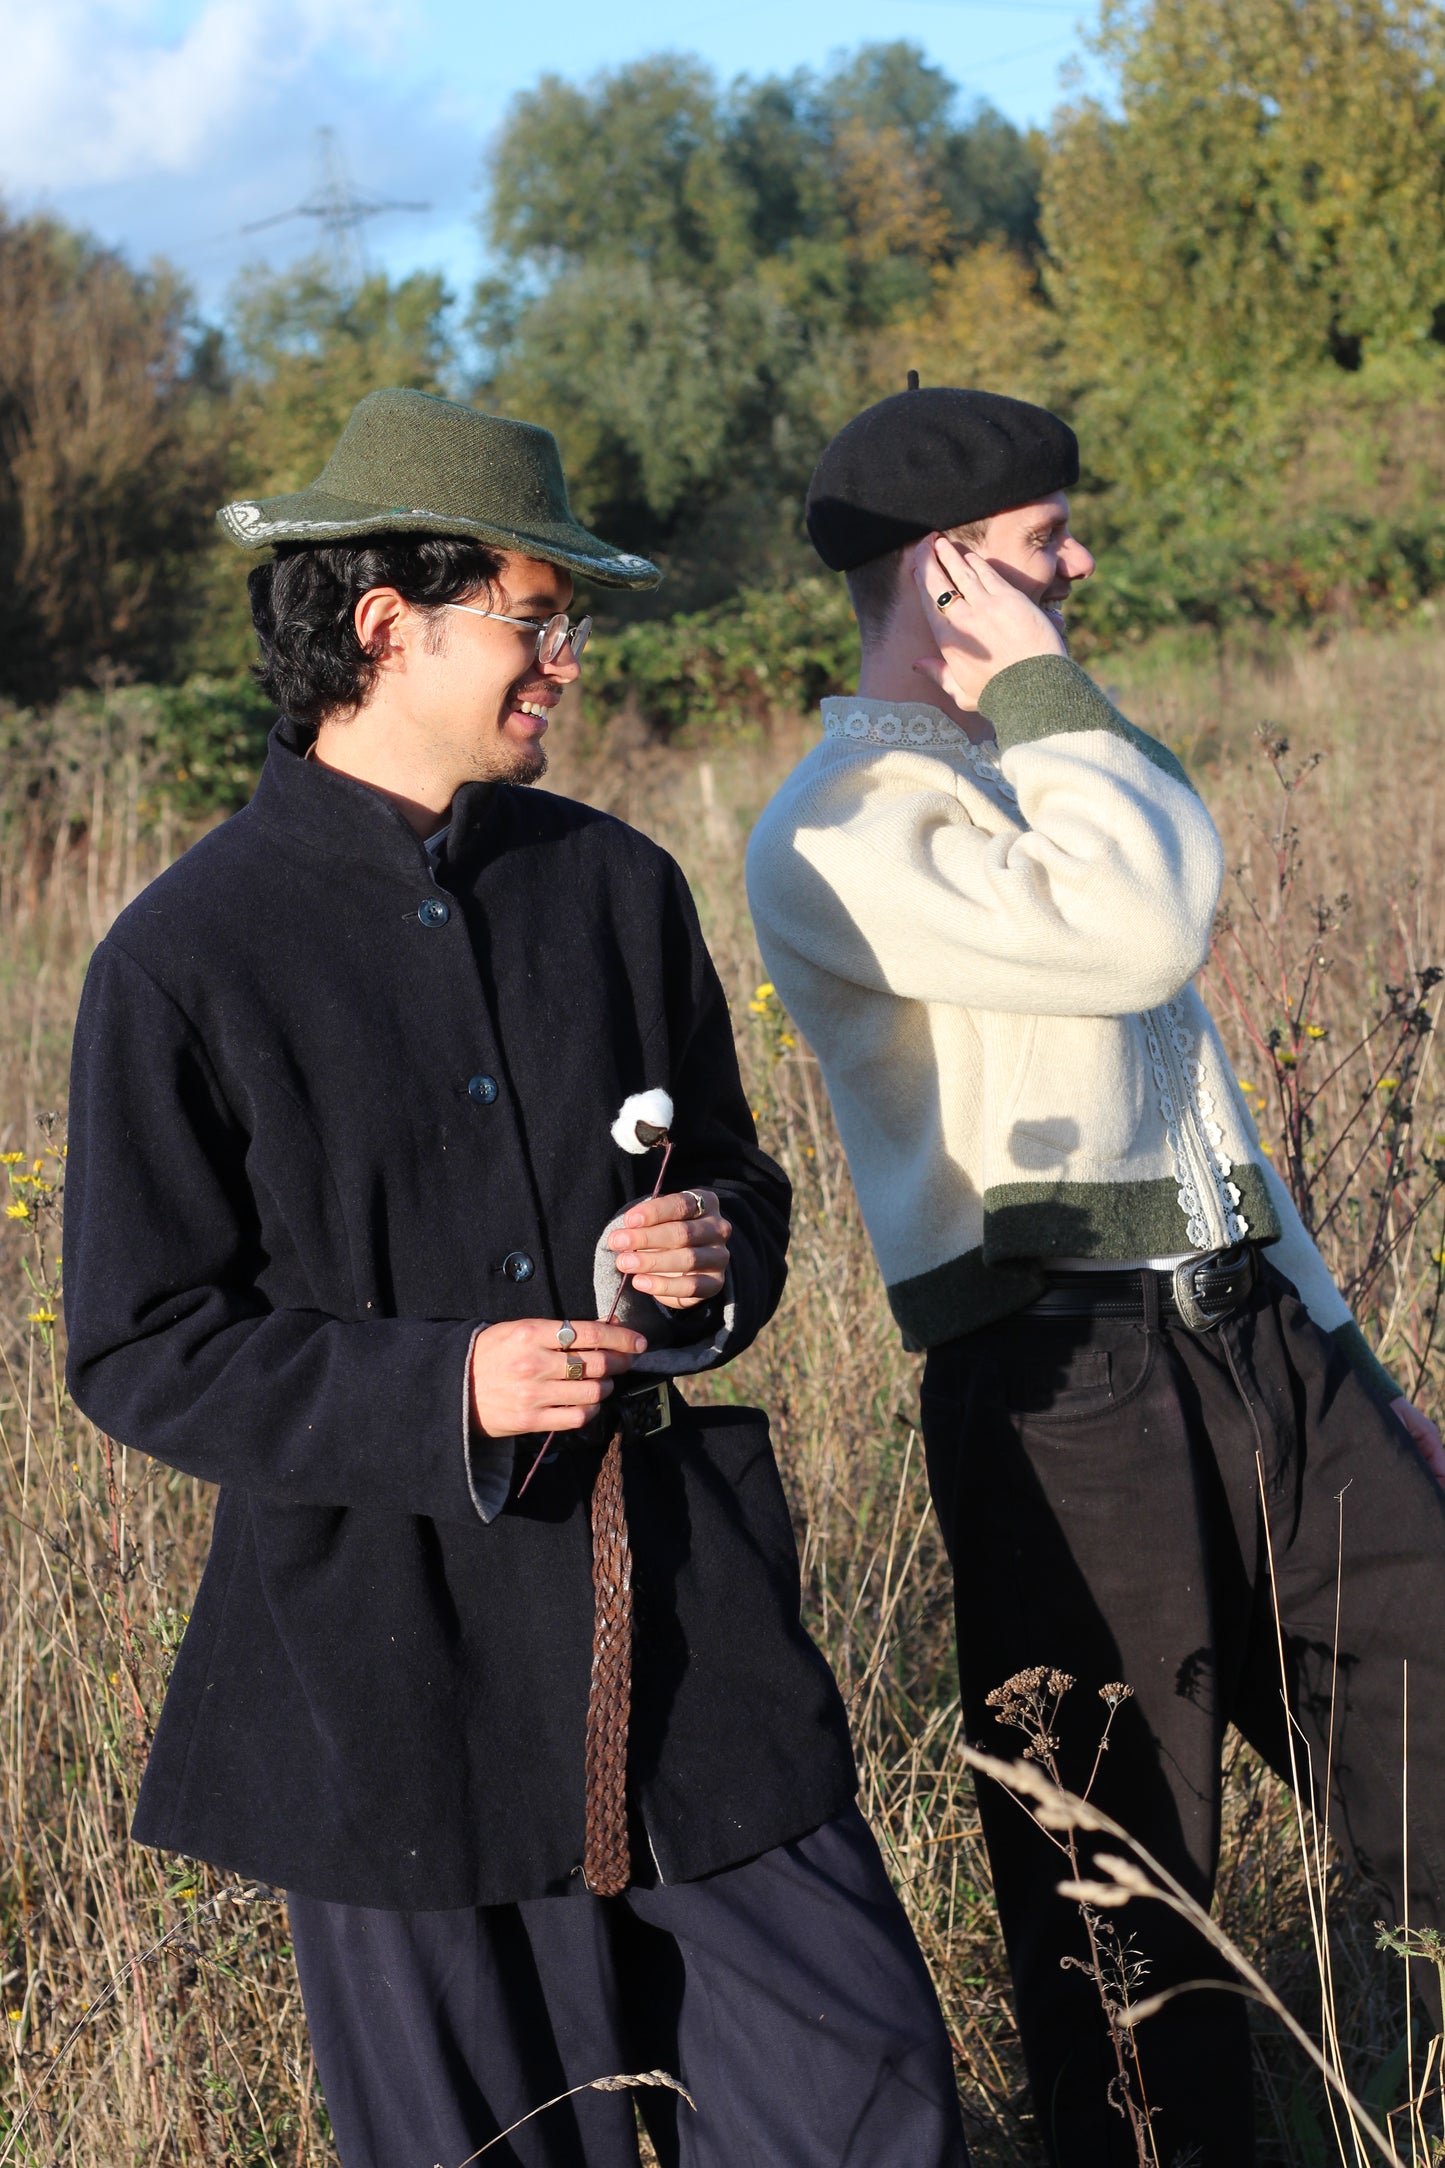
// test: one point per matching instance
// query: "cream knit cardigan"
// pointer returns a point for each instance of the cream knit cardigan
(991, 952)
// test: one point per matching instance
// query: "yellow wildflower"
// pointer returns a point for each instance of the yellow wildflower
(761, 993)
(1244, 1084)
(1314, 1031)
(785, 1038)
(44, 1316)
(17, 1210)
(1388, 1084)
(11, 1159)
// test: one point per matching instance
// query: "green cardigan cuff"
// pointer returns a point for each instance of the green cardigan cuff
(1377, 1379)
(1049, 694)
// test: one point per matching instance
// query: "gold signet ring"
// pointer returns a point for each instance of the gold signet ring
(576, 1369)
(949, 595)
(566, 1334)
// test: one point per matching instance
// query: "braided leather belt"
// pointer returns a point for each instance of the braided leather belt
(633, 1412)
(1201, 1292)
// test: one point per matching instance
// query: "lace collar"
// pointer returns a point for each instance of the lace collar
(912, 723)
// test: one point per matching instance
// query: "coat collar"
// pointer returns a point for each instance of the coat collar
(343, 818)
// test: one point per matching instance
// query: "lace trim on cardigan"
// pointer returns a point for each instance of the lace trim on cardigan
(1188, 1109)
(873, 723)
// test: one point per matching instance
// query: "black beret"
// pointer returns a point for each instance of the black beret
(927, 460)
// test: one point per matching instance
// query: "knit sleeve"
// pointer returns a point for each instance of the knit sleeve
(172, 1346)
(1100, 905)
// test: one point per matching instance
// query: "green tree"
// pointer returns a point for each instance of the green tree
(691, 279)
(112, 448)
(1249, 241)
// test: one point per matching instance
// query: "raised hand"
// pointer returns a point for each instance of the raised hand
(986, 624)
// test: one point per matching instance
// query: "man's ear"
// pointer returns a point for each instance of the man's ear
(380, 620)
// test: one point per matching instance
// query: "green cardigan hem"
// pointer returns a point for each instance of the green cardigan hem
(1108, 1219)
(958, 1297)
(1026, 1221)
(1047, 695)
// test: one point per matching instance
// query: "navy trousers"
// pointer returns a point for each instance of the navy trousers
(787, 1994)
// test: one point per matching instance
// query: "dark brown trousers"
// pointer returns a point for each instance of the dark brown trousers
(1098, 1482)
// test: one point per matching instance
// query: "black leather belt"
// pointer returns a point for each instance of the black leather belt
(1200, 1293)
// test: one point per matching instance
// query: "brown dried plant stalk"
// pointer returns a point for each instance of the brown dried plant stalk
(1117, 1879)
(634, 2082)
(1029, 1702)
(1344, 1054)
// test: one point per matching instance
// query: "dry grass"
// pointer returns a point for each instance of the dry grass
(152, 2010)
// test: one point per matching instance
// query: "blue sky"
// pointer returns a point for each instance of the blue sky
(166, 126)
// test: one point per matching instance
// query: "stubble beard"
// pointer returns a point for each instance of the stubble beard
(523, 767)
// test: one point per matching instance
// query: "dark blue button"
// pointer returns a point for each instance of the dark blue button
(518, 1265)
(483, 1089)
(433, 911)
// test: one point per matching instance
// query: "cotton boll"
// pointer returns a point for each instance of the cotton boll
(653, 1108)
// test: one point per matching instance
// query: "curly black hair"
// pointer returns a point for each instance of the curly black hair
(303, 605)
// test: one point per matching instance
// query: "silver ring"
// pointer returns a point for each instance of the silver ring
(699, 1209)
(566, 1334)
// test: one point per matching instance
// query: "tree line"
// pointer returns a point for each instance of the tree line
(1228, 270)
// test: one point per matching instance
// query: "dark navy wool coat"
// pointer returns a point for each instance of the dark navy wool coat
(292, 1196)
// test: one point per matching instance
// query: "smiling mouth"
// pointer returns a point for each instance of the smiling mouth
(531, 707)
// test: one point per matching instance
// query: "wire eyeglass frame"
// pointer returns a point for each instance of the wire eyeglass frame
(556, 633)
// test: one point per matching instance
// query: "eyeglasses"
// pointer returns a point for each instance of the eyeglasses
(558, 632)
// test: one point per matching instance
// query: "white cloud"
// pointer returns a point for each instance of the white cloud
(97, 92)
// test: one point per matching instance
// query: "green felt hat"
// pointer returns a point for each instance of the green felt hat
(407, 463)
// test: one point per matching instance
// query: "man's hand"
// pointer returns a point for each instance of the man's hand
(1425, 1435)
(519, 1374)
(677, 1258)
(987, 625)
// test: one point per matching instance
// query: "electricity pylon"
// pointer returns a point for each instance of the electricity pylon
(339, 211)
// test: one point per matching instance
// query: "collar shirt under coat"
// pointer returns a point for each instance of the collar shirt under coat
(330, 1115)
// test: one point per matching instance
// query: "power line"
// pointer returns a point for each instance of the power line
(338, 210)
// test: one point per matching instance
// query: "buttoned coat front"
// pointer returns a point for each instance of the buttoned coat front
(330, 1113)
